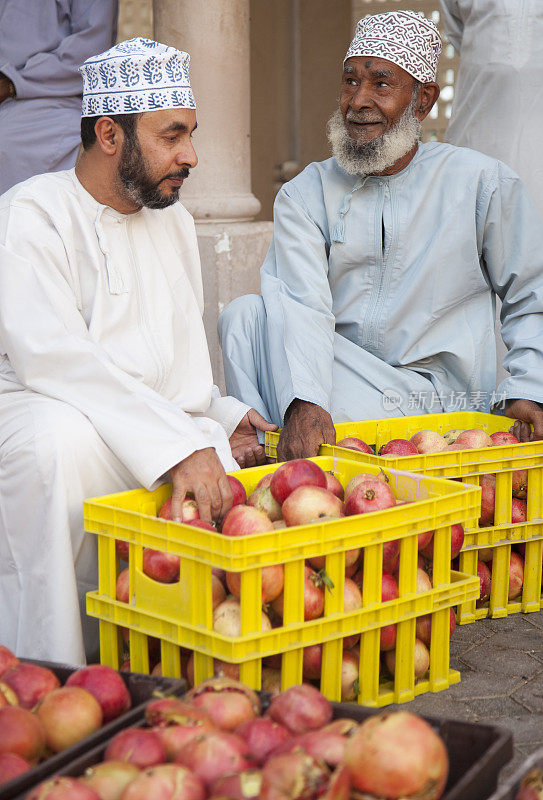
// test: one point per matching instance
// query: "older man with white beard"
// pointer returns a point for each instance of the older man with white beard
(378, 291)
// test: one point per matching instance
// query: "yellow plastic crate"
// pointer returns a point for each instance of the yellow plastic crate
(469, 466)
(180, 614)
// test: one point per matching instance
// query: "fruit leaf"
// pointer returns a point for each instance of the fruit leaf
(326, 579)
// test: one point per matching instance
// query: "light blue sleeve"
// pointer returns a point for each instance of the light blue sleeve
(452, 23)
(55, 74)
(298, 300)
(512, 251)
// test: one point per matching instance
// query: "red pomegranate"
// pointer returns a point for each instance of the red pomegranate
(299, 472)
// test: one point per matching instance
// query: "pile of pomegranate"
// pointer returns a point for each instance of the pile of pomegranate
(39, 717)
(216, 744)
(427, 441)
(299, 492)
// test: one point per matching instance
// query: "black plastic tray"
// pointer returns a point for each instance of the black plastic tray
(141, 689)
(509, 789)
(476, 753)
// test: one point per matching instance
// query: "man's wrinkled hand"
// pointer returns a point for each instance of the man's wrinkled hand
(202, 474)
(527, 415)
(307, 426)
(5, 88)
(246, 449)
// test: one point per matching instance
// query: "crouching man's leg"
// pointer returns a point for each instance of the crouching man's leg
(51, 459)
(247, 369)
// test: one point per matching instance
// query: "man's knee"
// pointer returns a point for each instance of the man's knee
(244, 313)
(63, 435)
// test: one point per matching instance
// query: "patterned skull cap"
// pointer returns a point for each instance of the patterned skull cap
(134, 76)
(407, 38)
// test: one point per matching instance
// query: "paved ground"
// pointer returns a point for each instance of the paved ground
(501, 663)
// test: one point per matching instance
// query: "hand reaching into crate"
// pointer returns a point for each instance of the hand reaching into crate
(202, 474)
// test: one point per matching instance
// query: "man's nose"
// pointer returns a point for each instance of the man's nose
(361, 98)
(187, 155)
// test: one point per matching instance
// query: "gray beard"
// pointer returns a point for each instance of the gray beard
(381, 153)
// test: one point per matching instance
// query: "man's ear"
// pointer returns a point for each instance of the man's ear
(108, 135)
(427, 96)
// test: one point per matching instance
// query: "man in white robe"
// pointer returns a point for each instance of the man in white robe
(42, 44)
(379, 287)
(105, 376)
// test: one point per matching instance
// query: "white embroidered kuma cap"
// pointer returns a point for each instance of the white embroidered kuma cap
(407, 38)
(134, 76)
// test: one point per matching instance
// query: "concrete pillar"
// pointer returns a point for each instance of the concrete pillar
(218, 192)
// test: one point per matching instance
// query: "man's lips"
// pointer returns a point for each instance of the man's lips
(175, 181)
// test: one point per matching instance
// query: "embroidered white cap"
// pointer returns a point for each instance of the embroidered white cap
(407, 38)
(134, 76)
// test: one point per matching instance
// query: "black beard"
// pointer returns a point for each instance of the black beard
(137, 185)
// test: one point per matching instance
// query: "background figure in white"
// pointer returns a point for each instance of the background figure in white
(498, 100)
(42, 44)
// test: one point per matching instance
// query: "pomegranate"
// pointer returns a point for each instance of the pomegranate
(238, 786)
(212, 755)
(488, 497)
(165, 782)
(218, 592)
(333, 485)
(292, 474)
(349, 676)
(122, 549)
(328, 743)
(7, 696)
(30, 683)
(519, 480)
(189, 510)
(171, 710)
(312, 662)
(263, 499)
(424, 584)
(388, 637)
(201, 523)
(313, 596)
(262, 736)
(68, 714)
(245, 520)
(423, 628)
(310, 504)
(389, 586)
(474, 438)
(429, 442)
(370, 495)
(265, 480)
(516, 576)
(422, 659)
(360, 478)
(397, 755)
(300, 708)
(273, 578)
(110, 778)
(122, 591)
(503, 438)
(21, 732)
(457, 540)
(106, 685)
(518, 511)
(424, 540)
(293, 775)
(239, 495)
(138, 746)
(175, 737)
(352, 601)
(354, 443)
(228, 702)
(7, 659)
(11, 766)
(484, 575)
(60, 788)
(339, 787)
(271, 680)
(227, 618)
(398, 447)
(531, 786)
(162, 567)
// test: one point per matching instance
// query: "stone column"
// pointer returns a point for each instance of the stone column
(218, 192)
